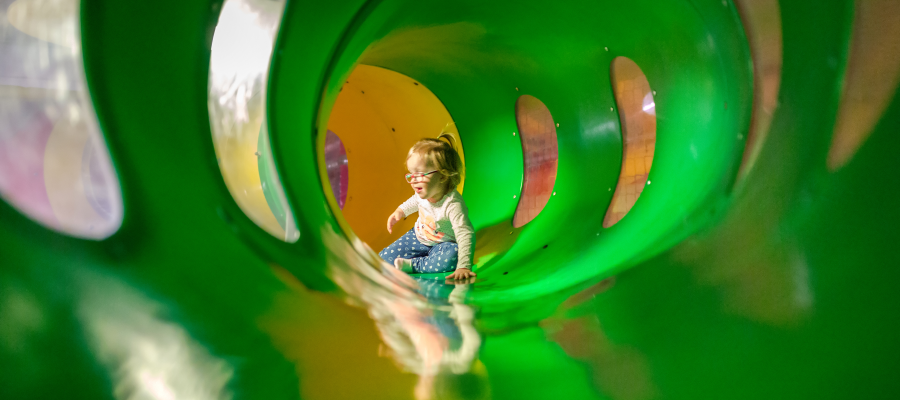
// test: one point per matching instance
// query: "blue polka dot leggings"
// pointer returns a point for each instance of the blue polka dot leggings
(441, 257)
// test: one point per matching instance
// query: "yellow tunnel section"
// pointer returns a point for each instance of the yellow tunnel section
(378, 115)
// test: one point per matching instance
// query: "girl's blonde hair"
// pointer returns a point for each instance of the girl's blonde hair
(441, 154)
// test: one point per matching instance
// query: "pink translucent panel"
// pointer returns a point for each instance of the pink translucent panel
(637, 115)
(336, 167)
(54, 165)
(540, 153)
(22, 163)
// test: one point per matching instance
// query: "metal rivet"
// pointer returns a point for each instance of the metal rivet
(609, 190)
(514, 196)
(514, 134)
(610, 109)
(557, 125)
(648, 182)
(554, 193)
(654, 93)
(606, 48)
(517, 89)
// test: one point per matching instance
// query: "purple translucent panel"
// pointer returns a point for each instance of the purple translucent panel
(22, 161)
(336, 166)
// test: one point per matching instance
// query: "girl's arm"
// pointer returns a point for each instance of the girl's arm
(408, 207)
(395, 217)
(465, 235)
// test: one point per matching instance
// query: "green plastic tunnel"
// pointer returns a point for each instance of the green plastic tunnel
(758, 261)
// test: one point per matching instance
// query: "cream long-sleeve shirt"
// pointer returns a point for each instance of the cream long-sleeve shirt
(444, 221)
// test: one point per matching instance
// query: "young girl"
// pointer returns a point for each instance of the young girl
(443, 237)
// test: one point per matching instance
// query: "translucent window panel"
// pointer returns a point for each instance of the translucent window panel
(873, 73)
(337, 167)
(54, 163)
(238, 70)
(541, 155)
(762, 24)
(637, 115)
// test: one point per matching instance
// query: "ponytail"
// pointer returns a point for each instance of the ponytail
(442, 154)
(447, 137)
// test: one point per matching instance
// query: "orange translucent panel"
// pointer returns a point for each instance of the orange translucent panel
(762, 24)
(541, 155)
(873, 73)
(637, 115)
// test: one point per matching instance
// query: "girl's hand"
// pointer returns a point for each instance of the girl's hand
(461, 274)
(393, 219)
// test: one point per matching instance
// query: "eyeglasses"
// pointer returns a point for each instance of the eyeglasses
(417, 175)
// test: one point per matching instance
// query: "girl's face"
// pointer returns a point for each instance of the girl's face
(427, 187)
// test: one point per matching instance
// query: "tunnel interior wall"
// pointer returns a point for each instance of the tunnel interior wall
(479, 59)
(783, 289)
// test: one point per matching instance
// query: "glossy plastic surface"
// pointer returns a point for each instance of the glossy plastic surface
(782, 286)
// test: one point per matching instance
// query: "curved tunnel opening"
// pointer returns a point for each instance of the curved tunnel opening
(540, 155)
(479, 64)
(378, 115)
(637, 117)
(55, 165)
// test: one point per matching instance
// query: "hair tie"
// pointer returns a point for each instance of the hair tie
(444, 130)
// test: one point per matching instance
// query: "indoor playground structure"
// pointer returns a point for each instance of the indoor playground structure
(673, 199)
